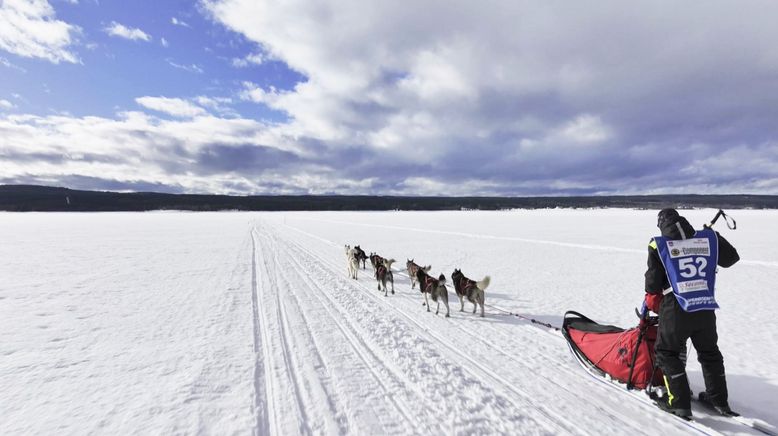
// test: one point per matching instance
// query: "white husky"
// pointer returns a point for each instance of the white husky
(352, 262)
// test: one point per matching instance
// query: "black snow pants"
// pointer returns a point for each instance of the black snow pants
(675, 327)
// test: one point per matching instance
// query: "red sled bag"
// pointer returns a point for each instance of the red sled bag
(626, 355)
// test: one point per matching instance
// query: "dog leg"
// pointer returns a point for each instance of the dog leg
(462, 303)
(392, 285)
(426, 302)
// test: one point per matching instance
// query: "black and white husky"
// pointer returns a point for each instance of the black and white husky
(352, 262)
(361, 256)
(383, 274)
(436, 288)
(413, 268)
(470, 289)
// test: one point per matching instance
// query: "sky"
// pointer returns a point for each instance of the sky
(520, 98)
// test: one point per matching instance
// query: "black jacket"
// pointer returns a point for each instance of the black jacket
(656, 277)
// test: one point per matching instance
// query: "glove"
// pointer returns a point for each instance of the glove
(653, 301)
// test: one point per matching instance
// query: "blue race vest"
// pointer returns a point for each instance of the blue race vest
(691, 268)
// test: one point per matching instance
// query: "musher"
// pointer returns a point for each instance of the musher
(682, 262)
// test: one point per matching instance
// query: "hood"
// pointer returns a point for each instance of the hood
(678, 228)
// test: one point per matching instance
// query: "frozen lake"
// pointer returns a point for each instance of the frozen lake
(240, 323)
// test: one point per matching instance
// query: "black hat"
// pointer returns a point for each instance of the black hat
(666, 216)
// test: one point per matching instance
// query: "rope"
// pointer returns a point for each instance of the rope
(526, 318)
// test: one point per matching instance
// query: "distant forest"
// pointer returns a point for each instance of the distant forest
(27, 198)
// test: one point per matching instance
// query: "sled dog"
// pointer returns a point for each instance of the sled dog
(412, 268)
(352, 262)
(470, 289)
(375, 260)
(361, 256)
(436, 288)
(383, 274)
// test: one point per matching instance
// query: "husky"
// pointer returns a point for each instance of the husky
(361, 256)
(383, 273)
(412, 268)
(352, 262)
(470, 289)
(436, 288)
(375, 260)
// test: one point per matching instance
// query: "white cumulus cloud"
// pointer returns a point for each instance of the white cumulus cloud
(171, 106)
(29, 28)
(122, 31)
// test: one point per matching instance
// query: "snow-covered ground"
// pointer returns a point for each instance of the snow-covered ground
(240, 323)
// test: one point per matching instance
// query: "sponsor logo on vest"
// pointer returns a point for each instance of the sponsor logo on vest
(700, 301)
(692, 286)
(689, 247)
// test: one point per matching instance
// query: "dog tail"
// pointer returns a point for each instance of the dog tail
(442, 279)
(388, 263)
(427, 268)
(483, 284)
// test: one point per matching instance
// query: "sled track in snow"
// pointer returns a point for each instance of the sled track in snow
(365, 352)
(359, 347)
(553, 421)
(265, 416)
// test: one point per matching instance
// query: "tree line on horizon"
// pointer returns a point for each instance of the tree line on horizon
(28, 198)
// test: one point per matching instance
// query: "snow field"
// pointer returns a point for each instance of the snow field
(239, 323)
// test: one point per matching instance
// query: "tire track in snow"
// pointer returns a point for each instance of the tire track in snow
(540, 414)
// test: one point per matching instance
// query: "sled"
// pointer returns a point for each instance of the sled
(623, 355)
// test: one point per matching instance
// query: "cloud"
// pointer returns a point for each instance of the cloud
(176, 22)
(528, 98)
(220, 105)
(6, 105)
(171, 106)
(8, 64)
(192, 68)
(29, 28)
(164, 42)
(201, 154)
(525, 98)
(122, 31)
(250, 59)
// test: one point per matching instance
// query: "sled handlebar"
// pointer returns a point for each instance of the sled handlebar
(731, 224)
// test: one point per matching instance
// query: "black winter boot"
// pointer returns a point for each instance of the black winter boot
(723, 409)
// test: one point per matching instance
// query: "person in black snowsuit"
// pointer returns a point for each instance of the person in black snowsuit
(676, 326)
